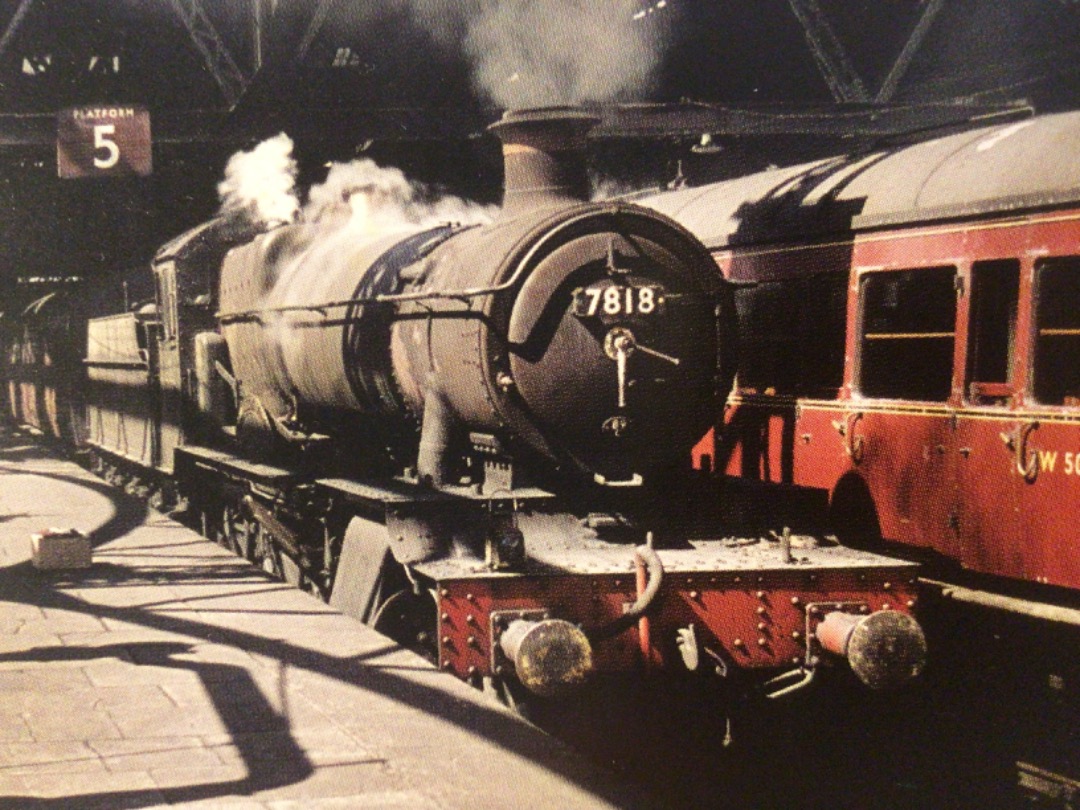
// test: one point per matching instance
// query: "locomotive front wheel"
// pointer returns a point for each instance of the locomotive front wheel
(236, 532)
(264, 554)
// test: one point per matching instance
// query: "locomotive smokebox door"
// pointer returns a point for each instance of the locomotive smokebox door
(613, 345)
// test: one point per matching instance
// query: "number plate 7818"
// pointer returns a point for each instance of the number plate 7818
(617, 300)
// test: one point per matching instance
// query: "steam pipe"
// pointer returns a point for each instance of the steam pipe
(655, 570)
(435, 434)
(644, 629)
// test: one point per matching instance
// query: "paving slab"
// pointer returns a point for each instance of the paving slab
(173, 674)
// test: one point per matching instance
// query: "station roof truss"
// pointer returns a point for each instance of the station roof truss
(210, 70)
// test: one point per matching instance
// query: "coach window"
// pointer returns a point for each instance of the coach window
(791, 335)
(765, 313)
(995, 293)
(907, 334)
(1056, 378)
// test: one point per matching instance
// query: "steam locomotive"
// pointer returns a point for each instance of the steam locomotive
(477, 439)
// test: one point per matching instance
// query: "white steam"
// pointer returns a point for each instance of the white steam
(260, 184)
(361, 197)
(611, 188)
(532, 53)
(370, 199)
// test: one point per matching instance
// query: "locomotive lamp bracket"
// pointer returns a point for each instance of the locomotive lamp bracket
(504, 547)
(612, 268)
(499, 472)
(504, 542)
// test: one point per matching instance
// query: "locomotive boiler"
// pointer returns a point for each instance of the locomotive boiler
(478, 439)
(580, 336)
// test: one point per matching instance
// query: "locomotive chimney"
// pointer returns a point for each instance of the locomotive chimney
(544, 156)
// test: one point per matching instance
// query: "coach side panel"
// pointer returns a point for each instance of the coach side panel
(956, 425)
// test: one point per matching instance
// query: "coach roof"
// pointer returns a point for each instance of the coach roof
(1030, 164)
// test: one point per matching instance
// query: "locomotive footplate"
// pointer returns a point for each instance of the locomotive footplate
(737, 601)
(230, 464)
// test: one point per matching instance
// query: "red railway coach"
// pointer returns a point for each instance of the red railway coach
(910, 346)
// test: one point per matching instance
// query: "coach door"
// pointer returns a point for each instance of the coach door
(900, 433)
(991, 434)
(1049, 453)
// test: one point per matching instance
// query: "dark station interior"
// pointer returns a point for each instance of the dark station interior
(770, 83)
(684, 93)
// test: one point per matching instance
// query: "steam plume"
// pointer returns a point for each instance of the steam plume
(260, 184)
(361, 196)
(530, 53)
(370, 199)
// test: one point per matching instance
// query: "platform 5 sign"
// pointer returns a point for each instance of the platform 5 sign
(103, 141)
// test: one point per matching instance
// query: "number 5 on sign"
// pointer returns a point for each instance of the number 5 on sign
(103, 141)
(102, 133)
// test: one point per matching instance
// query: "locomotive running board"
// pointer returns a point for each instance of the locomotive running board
(750, 605)
(392, 492)
(230, 464)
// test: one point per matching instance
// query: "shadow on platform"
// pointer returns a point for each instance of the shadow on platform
(234, 694)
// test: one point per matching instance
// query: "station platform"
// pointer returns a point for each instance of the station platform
(171, 673)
